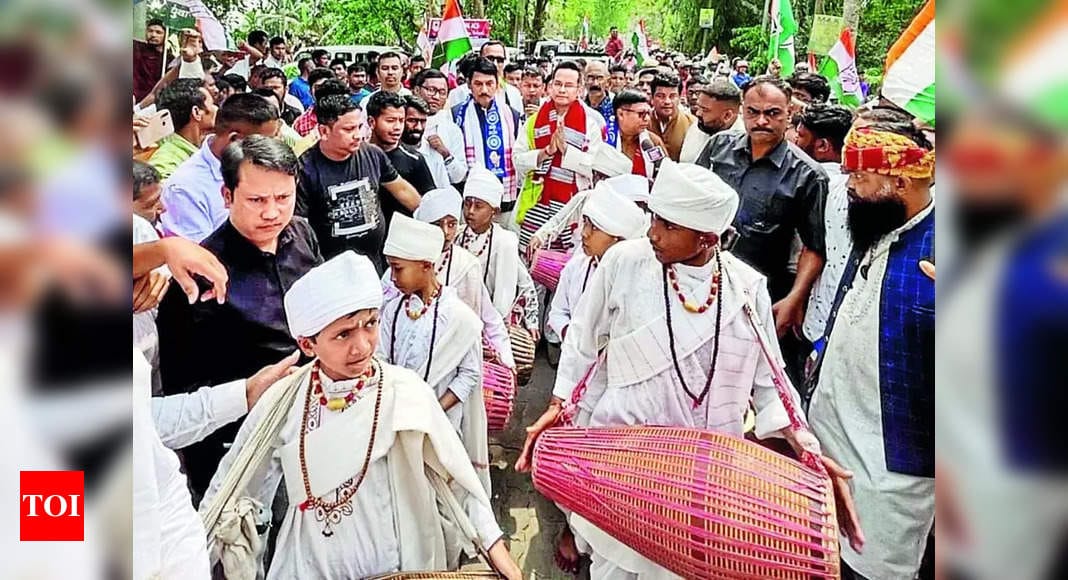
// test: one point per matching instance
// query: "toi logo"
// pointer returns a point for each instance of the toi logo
(51, 506)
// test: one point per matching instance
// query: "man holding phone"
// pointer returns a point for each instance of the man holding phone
(192, 112)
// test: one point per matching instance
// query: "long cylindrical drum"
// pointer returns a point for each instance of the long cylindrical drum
(523, 349)
(464, 575)
(498, 391)
(699, 503)
(546, 267)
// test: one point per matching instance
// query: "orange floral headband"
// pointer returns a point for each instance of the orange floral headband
(886, 153)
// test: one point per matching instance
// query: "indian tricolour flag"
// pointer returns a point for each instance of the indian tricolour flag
(640, 43)
(909, 78)
(840, 68)
(1032, 75)
(452, 41)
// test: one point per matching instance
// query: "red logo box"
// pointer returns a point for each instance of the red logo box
(51, 506)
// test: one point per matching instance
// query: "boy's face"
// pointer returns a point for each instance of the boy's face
(449, 226)
(478, 214)
(595, 242)
(346, 346)
(410, 276)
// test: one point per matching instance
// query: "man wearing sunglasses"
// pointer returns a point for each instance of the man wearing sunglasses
(494, 52)
(783, 194)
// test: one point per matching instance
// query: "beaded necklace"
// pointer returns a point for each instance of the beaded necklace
(433, 337)
(327, 508)
(700, 397)
(445, 265)
(338, 403)
(673, 277)
(487, 247)
(417, 315)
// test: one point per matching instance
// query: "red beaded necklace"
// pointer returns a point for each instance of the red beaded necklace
(338, 403)
(466, 242)
(673, 278)
(426, 305)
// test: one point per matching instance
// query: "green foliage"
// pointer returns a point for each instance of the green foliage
(751, 43)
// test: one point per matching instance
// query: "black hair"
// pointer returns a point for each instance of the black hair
(303, 64)
(179, 98)
(244, 108)
(830, 122)
(482, 50)
(617, 68)
(628, 97)
(416, 103)
(236, 82)
(909, 130)
(144, 175)
(484, 66)
(466, 65)
(383, 100)
(722, 90)
(567, 65)
(268, 93)
(697, 80)
(814, 84)
(319, 74)
(319, 53)
(256, 37)
(272, 73)
(512, 67)
(388, 54)
(332, 108)
(426, 74)
(650, 70)
(884, 115)
(275, 41)
(156, 22)
(417, 57)
(338, 61)
(222, 84)
(356, 67)
(533, 72)
(773, 81)
(332, 86)
(259, 150)
(669, 81)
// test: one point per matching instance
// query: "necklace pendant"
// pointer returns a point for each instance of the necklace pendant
(336, 404)
(690, 306)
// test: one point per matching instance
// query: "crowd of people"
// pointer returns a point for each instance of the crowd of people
(352, 245)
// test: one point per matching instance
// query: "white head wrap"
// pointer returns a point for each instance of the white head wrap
(693, 197)
(630, 186)
(344, 284)
(414, 240)
(614, 214)
(483, 184)
(607, 160)
(438, 203)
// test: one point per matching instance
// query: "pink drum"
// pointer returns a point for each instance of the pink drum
(547, 265)
(498, 390)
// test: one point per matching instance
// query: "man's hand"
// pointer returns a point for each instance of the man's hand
(258, 383)
(559, 143)
(928, 268)
(534, 245)
(789, 314)
(843, 498)
(149, 290)
(547, 419)
(186, 259)
(531, 110)
(438, 145)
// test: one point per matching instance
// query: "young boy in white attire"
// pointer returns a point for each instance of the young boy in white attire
(426, 328)
(497, 249)
(357, 447)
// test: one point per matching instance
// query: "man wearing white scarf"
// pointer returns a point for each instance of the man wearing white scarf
(426, 328)
(680, 351)
(363, 448)
(497, 249)
(461, 270)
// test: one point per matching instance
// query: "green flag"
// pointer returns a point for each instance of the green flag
(783, 30)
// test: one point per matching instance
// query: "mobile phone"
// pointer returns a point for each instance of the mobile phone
(159, 126)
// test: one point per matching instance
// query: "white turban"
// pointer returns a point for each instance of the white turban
(614, 214)
(414, 240)
(630, 186)
(607, 160)
(483, 184)
(693, 197)
(344, 284)
(438, 203)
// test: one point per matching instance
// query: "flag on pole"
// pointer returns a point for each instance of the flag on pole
(452, 41)
(909, 77)
(783, 29)
(640, 43)
(1031, 77)
(584, 41)
(425, 44)
(840, 68)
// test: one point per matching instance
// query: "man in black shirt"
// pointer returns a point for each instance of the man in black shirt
(265, 249)
(339, 184)
(783, 191)
(385, 114)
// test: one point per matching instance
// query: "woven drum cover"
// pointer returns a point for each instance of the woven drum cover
(498, 391)
(523, 351)
(701, 504)
(469, 575)
(546, 268)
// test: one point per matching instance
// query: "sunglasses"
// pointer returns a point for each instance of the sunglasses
(496, 59)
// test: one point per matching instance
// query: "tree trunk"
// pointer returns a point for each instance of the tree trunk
(475, 9)
(538, 25)
(851, 11)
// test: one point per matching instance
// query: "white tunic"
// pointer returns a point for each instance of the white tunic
(506, 277)
(896, 511)
(573, 281)
(442, 125)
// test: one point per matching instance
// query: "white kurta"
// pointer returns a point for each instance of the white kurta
(573, 281)
(896, 511)
(185, 418)
(145, 334)
(367, 536)
(442, 125)
(506, 276)
(623, 310)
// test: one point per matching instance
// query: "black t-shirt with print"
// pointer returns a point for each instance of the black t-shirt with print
(343, 200)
